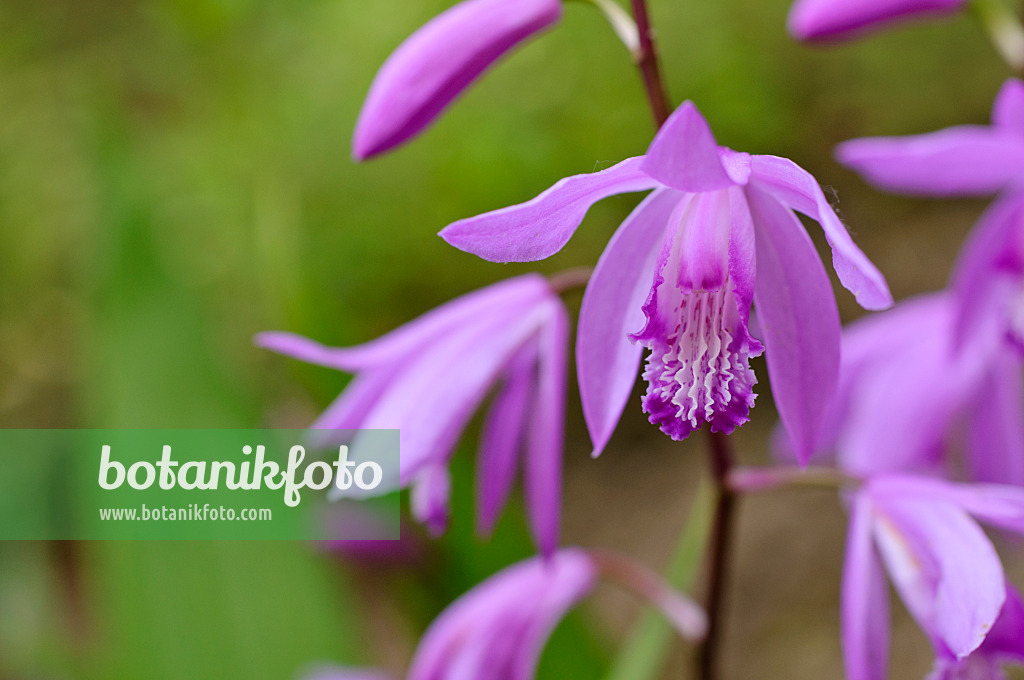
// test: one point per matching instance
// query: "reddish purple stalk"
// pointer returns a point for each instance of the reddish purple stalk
(720, 451)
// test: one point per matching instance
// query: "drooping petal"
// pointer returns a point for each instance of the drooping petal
(684, 154)
(434, 395)
(437, 62)
(799, 321)
(865, 600)
(539, 228)
(996, 444)
(988, 277)
(607, 362)
(838, 19)
(795, 188)
(440, 322)
(916, 378)
(742, 254)
(542, 469)
(867, 346)
(1001, 505)
(1008, 109)
(498, 628)
(429, 498)
(944, 567)
(503, 438)
(352, 406)
(968, 160)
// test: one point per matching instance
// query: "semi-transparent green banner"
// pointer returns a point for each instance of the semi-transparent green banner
(199, 484)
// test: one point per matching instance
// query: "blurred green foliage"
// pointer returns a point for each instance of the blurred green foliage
(174, 177)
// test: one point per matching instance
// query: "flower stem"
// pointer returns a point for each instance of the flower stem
(718, 560)
(568, 279)
(647, 62)
(1004, 29)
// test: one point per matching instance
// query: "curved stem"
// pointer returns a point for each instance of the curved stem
(685, 615)
(647, 62)
(718, 561)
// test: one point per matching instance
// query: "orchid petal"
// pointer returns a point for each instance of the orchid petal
(449, 318)
(994, 249)
(1008, 108)
(865, 601)
(524, 602)
(944, 568)
(351, 407)
(996, 452)
(684, 154)
(607, 362)
(440, 60)
(799, 321)
(968, 160)
(838, 19)
(502, 438)
(453, 377)
(1006, 639)
(1001, 505)
(539, 228)
(795, 188)
(542, 470)
(429, 498)
(916, 373)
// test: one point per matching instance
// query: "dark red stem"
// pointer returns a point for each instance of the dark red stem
(647, 62)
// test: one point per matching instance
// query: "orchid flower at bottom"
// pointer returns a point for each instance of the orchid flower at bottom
(946, 571)
(499, 628)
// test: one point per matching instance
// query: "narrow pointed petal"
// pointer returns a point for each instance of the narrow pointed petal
(351, 407)
(839, 19)
(799, 321)
(453, 377)
(1000, 505)
(502, 438)
(539, 228)
(968, 160)
(439, 322)
(1008, 109)
(542, 470)
(795, 188)
(440, 60)
(865, 600)
(607, 362)
(944, 568)
(498, 629)
(996, 452)
(684, 154)
(429, 498)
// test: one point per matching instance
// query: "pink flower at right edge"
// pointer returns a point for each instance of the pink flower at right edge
(717, 235)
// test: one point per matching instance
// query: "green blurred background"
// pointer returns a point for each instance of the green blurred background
(175, 177)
